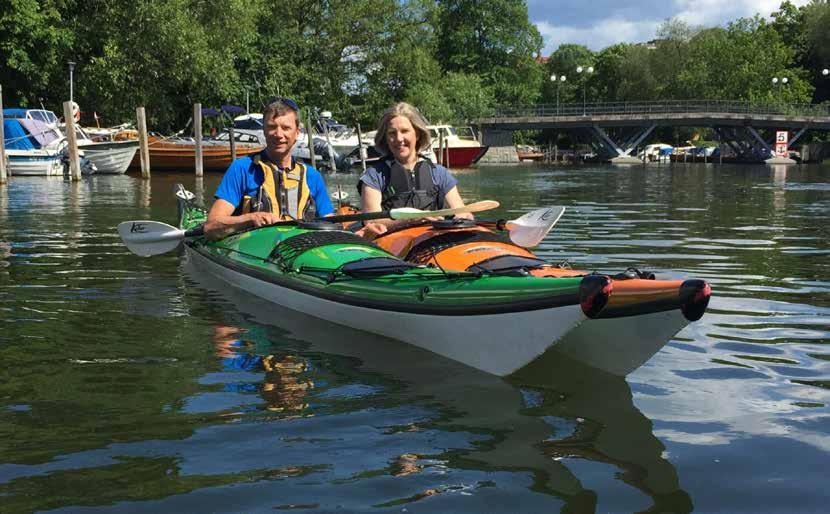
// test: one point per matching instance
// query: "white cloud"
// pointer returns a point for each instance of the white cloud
(600, 33)
(717, 12)
(604, 33)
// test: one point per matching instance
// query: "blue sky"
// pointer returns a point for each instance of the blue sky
(601, 23)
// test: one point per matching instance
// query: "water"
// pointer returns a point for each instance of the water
(134, 385)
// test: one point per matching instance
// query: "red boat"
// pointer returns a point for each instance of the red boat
(461, 149)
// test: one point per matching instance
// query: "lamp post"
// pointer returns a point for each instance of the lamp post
(558, 81)
(71, 81)
(779, 82)
(587, 70)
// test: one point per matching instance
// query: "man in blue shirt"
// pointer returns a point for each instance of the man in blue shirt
(270, 186)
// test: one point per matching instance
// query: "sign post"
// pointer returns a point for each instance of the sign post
(782, 138)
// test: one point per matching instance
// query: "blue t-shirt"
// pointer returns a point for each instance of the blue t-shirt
(441, 177)
(244, 177)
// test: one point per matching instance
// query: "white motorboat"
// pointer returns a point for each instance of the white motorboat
(32, 147)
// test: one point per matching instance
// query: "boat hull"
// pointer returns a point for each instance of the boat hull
(181, 156)
(34, 163)
(496, 343)
(111, 158)
(639, 318)
(461, 157)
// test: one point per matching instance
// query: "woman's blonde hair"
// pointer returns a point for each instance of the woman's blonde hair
(408, 111)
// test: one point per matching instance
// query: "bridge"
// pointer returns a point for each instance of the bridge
(615, 129)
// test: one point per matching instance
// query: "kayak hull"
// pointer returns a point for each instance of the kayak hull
(496, 343)
(639, 318)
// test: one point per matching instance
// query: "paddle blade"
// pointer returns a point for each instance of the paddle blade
(529, 230)
(146, 238)
(409, 213)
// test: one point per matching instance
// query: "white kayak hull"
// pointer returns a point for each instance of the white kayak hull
(496, 343)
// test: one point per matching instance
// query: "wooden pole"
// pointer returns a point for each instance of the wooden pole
(232, 137)
(197, 131)
(72, 139)
(311, 156)
(440, 147)
(361, 150)
(143, 146)
(447, 149)
(3, 176)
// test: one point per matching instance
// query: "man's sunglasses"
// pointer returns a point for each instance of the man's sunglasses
(287, 101)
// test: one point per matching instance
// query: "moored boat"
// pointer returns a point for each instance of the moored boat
(32, 147)
(179, 154)
(461, 148)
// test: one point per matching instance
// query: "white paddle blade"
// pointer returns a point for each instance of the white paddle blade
(409, 213)
(185, 195)
(340, 195)
(146, 238)
(530, 229)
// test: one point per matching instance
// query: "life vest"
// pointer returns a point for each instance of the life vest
(409, 189)
(283, 192)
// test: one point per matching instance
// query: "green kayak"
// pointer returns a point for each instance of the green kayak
(496, 322)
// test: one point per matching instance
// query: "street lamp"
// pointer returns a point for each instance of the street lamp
(825, 72)
(558, 80)
(580, 70)
(71, 81)
(779, 82)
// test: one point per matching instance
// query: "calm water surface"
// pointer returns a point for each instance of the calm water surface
(135, 385)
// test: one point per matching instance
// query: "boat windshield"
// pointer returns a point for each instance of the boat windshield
(466, 133)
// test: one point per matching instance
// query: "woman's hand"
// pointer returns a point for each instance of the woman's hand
(371, 230)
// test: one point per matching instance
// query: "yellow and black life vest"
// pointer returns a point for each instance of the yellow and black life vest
(283, 191)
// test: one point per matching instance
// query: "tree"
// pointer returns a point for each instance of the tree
(33, 44)
(493, 39)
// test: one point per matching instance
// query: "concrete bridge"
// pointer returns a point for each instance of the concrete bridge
(616, 129)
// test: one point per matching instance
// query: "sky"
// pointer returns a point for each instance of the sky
(601, 23)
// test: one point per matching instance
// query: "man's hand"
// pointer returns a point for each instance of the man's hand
(261, 219)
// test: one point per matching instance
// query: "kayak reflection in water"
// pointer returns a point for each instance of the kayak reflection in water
(404, 176)
(284, 387)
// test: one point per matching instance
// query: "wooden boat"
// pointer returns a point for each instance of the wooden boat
(179, 154)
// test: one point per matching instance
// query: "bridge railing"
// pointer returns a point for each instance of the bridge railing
(662, 107)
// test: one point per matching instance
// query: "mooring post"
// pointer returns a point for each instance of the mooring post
(440, 147)
(72, 139)
(197, 132)
(361, 150)
(232, 137)
(3, 176)
(143, 145)
(311, 155)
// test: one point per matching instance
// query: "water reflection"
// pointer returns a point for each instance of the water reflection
(544, 421)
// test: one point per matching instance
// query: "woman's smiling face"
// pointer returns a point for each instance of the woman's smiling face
(402, 140)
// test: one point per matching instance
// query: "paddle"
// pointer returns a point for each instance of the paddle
(146, 238)
(530, 229)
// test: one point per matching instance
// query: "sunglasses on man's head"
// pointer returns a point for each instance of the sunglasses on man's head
(287, 101)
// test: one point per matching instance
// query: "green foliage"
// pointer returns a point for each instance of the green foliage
(454, 59)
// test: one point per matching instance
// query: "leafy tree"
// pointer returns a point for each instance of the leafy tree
(564, 61)
(33, 43)
(493, 39)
